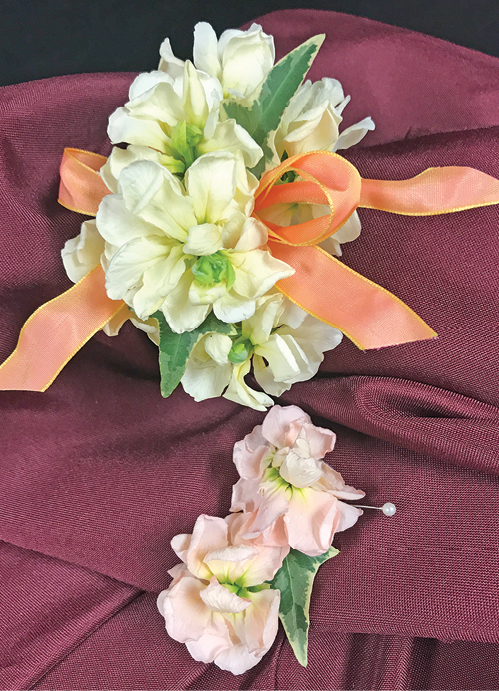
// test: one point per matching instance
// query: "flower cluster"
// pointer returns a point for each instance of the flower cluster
(177, 236)
(221, 602)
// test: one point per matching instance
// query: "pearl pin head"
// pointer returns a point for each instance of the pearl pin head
(389, 509)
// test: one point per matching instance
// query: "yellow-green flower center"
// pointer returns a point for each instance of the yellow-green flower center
(214, 268)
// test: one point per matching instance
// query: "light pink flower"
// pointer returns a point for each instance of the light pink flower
(285, 480)
(218, 603)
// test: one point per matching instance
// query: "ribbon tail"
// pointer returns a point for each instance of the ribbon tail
(434, 191)
(56, 332)
(365, 312)
(82, 188)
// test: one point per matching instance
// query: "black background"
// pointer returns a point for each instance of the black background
(43, 38)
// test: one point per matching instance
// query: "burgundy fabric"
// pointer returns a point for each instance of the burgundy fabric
(99, 473)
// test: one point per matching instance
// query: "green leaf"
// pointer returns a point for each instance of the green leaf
(175, 349)
(295, 579)
(263, 116)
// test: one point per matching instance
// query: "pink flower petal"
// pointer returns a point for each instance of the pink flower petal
(276, 425)
(186, 616)
(270, 506)
(334, 482)
(180, 545)
(250, 462)
(178, 571)
(348, 516)
(264, 566)
(235, 659)
(219, 599)
(210, 533)
(311, 521)
(240, 525)
(258, 629)
(321, 440)
(209, 646)
(245, 496)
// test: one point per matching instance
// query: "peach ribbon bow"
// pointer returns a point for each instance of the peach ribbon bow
(322, 285)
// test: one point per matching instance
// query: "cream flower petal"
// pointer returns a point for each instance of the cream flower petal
(280, 358)
(241, 60)
(169, 63)
(205, 379)
(229, 136)
(207, 295)
(292, 315)
(194, 96)
(247, 58)
(315, 137)
(152, 193)
(314, 338)
(118, 225)
(211, 182)
(123, 127)
(219, 599)
(257, 272)
(353, 134)
(149, 326)
(205, 49)
(82, 253)
(121, 158)
(146, 81)
(218, 346)
(266, 379)
(349, 231)
(158, 281)
(131, 261)
(112, 328)
(239, 392)
(311, 120)
(203, 239)
(253, 236)
(232, 309)
(259, 327)
(161, 104)
(208, 370)
(179, 311)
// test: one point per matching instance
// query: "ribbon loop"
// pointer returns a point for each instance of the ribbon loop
(329, 179)
(81, 188)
